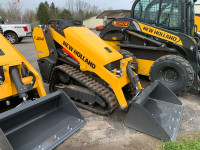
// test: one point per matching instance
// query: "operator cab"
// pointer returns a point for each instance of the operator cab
(169, 14)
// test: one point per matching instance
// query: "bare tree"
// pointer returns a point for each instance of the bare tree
(2, 11)
(82, 10)
(70, 5)
(29, 16)
(14, 12)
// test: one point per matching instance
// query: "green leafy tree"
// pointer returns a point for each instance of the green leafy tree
(66, 15)
(46, 5)
(52, 10)
(42, 14)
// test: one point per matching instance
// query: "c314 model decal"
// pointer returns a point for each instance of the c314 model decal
(39, 38)
(120, 24)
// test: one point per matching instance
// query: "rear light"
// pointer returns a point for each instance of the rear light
(25, 28)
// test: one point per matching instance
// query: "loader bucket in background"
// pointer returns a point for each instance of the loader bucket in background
(40, 124)
(156, 112)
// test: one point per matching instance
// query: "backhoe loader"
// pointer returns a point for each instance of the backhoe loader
(28, 118)
(163, 37)
(99, 79)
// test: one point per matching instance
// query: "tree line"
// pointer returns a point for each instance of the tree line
(73, 9)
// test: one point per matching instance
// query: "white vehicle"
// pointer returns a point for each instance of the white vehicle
(15, 32)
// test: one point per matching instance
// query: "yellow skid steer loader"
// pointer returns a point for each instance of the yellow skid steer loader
(28, 118)
(98, 78)
(163, 37)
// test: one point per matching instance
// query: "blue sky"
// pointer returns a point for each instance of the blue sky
(103, 4)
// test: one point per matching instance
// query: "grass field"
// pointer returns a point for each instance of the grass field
(182, 144)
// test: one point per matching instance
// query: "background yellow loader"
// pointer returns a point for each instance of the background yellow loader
(163, 37)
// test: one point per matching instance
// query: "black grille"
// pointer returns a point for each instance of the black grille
(113, 65)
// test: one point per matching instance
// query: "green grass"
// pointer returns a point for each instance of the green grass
(182, 145)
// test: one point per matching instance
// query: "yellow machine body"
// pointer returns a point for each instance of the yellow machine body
(144, 65)
(98, 77)
(197, 22)
(90, 52)
(11, 58)
(160, 33)
(113, 44)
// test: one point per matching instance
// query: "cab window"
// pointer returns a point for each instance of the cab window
(170, 15)
(147, 11)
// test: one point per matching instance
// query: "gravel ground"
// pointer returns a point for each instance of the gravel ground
(109, 132)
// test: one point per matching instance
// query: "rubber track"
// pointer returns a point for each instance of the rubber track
(104, 92)
(184, 63)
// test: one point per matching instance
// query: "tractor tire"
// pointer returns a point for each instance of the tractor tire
(11, 37)
(173, 71)
(127, 54)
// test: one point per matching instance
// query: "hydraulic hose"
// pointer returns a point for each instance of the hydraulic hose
(21, 88)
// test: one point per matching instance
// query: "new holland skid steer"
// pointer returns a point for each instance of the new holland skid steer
(98, 78)
(163, 37)
(28, 118)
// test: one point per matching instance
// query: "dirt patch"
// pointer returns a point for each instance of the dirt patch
(192, 135)
(125, 142)
(191, 115)
(108, 133)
